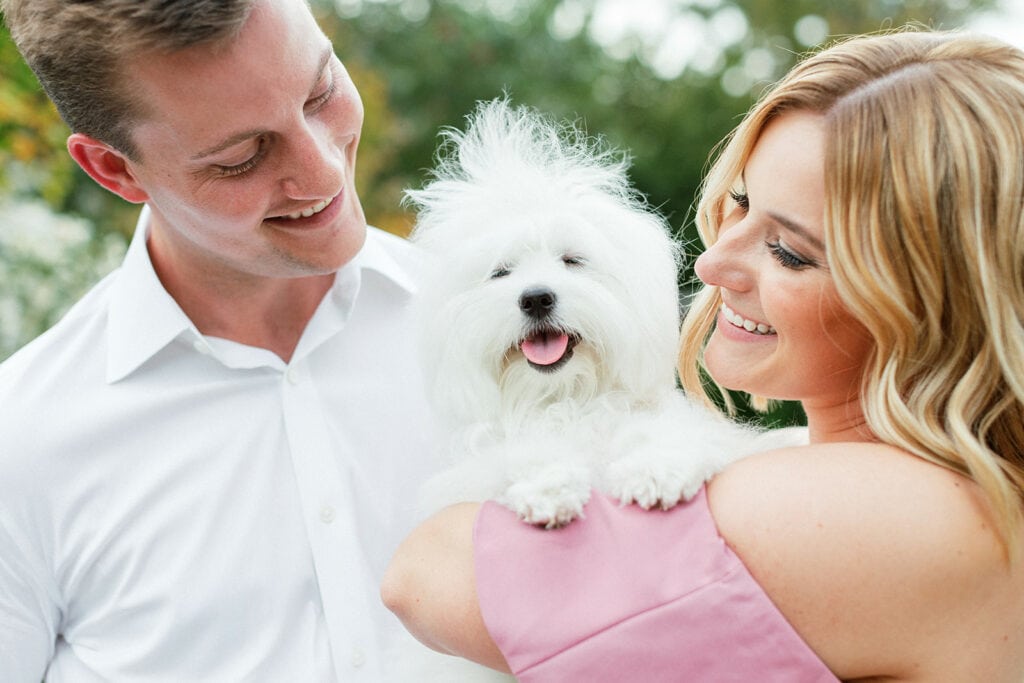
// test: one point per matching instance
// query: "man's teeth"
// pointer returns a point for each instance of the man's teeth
(748, 325)
(316, 208)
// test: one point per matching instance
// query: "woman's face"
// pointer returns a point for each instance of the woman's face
(782, 331)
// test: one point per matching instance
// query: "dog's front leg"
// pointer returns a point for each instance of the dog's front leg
(662, 456)
(550, 479)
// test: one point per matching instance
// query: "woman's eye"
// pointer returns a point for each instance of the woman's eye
(787, 258)
(741, 199)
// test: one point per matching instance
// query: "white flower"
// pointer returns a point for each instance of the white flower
(47, 261)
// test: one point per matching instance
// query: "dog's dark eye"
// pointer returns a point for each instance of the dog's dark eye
(572, 260)
(501, 271)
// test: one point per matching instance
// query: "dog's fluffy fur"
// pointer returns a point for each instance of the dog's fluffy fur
(550, 327)
(549, 334)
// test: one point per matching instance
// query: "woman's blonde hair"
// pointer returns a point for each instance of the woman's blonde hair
(924, 229)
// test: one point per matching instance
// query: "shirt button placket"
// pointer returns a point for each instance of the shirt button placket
(334, 541)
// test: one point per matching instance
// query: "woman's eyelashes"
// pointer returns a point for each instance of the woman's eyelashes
(783, 254)
(741, 199)
(786, 257)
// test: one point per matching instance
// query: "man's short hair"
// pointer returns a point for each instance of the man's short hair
(78, 50)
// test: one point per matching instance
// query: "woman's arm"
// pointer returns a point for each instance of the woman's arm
(620, 594)
(886, 565)
(430, 585)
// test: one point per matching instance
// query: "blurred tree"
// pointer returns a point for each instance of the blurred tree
(34, 162)
(662, 79)
(31, 133)
(565, 57)
(47, 258)
(436, 59)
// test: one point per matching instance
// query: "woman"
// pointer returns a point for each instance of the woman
(869, 214)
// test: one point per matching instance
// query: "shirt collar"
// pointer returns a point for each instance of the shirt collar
(375, 256)
(143, 318)
(351, 279)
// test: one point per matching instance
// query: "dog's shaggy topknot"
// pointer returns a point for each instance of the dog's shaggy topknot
(510, 156)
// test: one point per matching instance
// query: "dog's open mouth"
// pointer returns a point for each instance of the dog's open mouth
(547, 349)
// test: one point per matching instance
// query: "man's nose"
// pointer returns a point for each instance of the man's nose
(316, 165)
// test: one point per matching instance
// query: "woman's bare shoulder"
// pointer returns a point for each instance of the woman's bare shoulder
(886, 564)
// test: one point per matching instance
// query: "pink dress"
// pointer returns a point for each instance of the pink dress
(629, 595)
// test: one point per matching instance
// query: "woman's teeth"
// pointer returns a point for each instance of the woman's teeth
(316, 208)
(749, 325)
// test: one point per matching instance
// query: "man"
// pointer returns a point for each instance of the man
(206, 465)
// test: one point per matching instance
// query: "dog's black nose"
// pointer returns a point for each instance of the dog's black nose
(537, 302)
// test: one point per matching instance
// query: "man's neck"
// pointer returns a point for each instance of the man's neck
(271, 317)
(265, 312)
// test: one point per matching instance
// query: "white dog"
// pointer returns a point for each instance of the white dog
(549, 328)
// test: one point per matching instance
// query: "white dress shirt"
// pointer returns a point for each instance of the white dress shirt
(175, 507)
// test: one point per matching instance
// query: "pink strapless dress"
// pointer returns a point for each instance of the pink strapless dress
(626, 595)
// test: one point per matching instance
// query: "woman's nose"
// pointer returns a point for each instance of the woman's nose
(728, 263)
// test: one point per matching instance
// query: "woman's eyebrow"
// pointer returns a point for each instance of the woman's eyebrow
(798, 229)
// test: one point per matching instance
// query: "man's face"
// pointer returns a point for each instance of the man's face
(248, 154)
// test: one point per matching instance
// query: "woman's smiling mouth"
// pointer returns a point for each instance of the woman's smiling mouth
(736, 320)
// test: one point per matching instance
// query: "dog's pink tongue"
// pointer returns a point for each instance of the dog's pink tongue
(545, 349)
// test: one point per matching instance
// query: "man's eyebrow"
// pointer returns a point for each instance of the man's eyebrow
(800, 230)
(242, 136)
(325, 59)
(229, 142)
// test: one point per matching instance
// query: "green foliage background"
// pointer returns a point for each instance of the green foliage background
(422, 64)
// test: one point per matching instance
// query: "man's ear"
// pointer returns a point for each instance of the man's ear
(106, 166)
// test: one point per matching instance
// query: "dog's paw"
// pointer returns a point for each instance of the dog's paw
(551, 497)
(652, 484)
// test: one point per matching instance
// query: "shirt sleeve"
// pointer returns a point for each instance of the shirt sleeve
(627, 594)
(28, 614)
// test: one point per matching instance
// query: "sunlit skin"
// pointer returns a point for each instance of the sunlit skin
(235, 138)
(770, 265)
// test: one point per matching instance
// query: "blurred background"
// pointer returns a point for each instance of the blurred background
(661, 79)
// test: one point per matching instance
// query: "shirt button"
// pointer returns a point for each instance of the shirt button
(201, 346)
(293, 375)
(358, 658)
(326, 514)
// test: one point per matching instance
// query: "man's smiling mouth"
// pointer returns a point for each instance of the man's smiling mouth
(309, 211)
